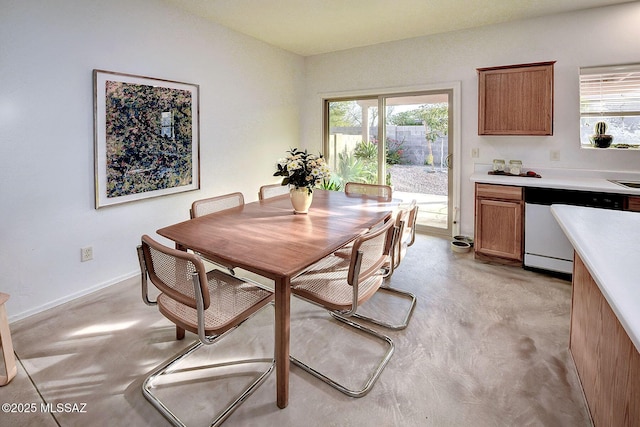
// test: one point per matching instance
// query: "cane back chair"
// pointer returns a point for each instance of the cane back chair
(341, 285)
(375, 190)
(398, 250)
(272, 190)
(209, 304)
(216, 204)
(397, 253)
(406, 224)
(367, 190)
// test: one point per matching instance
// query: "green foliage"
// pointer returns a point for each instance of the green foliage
(369, 173)
(436, 120)
(344, 114)
(331, 184)
(394, 152)
(406, 118)
(366, 151)
(349, 168)
(361, 165)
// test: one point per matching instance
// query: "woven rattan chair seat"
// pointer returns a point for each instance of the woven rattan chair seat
(230, 298)
(326, 283)
(209, 304)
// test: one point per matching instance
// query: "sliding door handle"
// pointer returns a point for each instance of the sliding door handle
(448, 161)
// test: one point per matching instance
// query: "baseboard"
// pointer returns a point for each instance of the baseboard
(71, 297)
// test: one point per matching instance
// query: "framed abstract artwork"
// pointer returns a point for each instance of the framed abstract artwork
(146, 137)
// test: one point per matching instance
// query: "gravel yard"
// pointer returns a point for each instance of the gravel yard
(418, 179)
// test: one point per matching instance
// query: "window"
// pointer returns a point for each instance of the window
(611, 95)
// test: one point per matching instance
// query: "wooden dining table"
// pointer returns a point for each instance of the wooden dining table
(268, 239)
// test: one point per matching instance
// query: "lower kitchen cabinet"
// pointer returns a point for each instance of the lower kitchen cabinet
(606, 359)
(499, 223)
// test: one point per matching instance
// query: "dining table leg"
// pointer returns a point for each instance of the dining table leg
(282, 325)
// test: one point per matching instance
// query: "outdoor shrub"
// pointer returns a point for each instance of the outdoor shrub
(394, 152)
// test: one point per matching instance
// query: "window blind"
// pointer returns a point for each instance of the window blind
(610, 91)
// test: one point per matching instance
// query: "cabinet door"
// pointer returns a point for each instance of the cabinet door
(633, 204)
(499, 228)
(516, 100)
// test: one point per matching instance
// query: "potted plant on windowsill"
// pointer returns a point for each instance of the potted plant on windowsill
(302, 172)
(600, 139)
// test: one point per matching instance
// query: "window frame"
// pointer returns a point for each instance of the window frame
(610, 94)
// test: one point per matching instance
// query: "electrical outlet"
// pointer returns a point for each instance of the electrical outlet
(86, 254)
(475, 152)
(554, 155)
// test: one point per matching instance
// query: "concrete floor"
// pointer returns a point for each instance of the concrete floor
(487, 346)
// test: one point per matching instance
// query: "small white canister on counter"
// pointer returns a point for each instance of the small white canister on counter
(515, 167)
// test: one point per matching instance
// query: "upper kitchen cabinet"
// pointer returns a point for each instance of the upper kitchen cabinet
(516, 99)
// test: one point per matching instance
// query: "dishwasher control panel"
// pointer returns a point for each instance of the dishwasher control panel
(549, 196)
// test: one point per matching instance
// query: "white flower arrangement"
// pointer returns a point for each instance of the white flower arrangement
(303, 170)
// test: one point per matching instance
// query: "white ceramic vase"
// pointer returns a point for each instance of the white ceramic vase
(301, 199)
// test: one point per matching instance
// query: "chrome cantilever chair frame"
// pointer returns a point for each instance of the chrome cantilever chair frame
(386, 288)
(203, 339)
(406, 224)
(404, 215)
(369, 383)
(413, 216)
(354, 279)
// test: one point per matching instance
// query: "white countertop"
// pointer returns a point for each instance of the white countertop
(608, 242)
(568, 179)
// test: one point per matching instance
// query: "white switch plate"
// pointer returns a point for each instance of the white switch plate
(554, 155)
(475, 152)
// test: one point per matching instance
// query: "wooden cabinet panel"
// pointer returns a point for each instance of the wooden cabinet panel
(500, 192)
(633, 204)
(606, 359)
(516, 99)
(499, 223)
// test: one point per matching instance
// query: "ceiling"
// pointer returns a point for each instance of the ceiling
(310, 27)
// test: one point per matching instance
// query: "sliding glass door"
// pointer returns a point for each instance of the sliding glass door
(404, 140)
(352, 150)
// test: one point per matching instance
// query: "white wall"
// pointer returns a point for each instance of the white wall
(251, 97)
(249, 115)
(602, 36)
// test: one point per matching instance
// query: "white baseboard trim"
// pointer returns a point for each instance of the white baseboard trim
(73, 296)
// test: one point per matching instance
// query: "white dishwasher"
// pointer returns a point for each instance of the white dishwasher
(545, 245)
